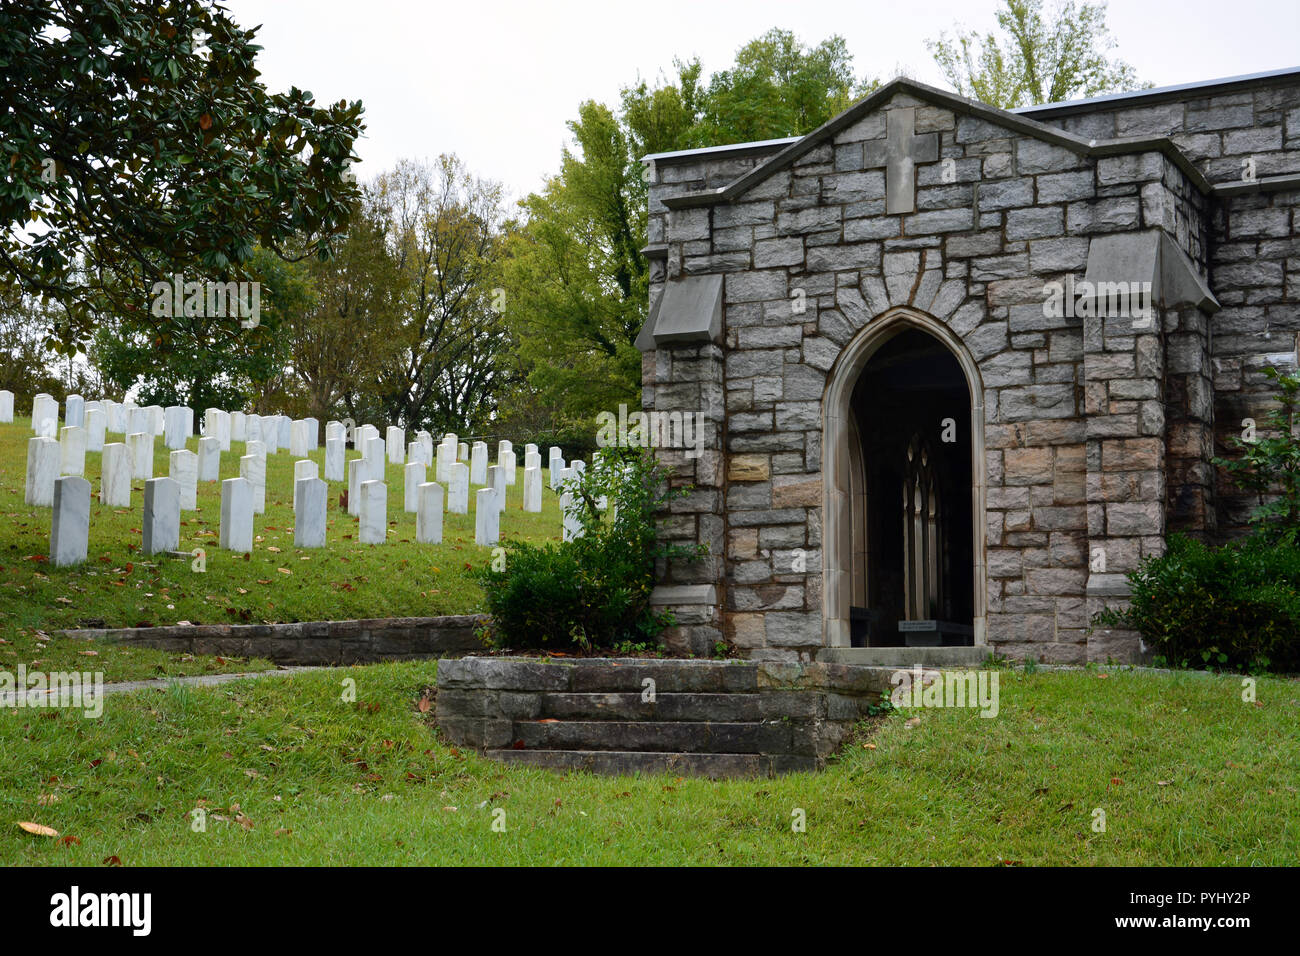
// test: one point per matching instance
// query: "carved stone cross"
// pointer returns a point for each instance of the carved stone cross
(899, 152)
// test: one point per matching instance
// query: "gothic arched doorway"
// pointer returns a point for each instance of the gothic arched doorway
(905, 489)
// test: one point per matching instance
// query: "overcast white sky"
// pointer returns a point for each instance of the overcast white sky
(495, 81)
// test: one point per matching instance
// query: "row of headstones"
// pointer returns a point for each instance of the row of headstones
(243, 497)
(175, 424)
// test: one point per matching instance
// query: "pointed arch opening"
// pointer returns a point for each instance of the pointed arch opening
(903, 454)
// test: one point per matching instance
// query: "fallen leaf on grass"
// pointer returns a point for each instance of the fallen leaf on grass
(912, 722)
(39, 829)
(112, 860)
(69, 840)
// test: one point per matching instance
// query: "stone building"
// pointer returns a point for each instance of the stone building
(965, 367)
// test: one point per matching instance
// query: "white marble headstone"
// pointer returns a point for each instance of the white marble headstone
(497, 482)
(96, 420)
(413, 475)
(209, 459)
(569, 508)
(395, 444)
(533, 489)
(373, 527)
(115, 470)
(183, 468)
(298, 439)
(458, 488)
(478, 463)
(303, 469)
(334, 459)
(358, 474)
(177, 425)
(428, 514)
(141, 444)
(309, 521)
(70, 528)
(162, 516)
(45, 418)
(374, 451)
(43, 457)
(236, 532)
(487, 517)
(252, 468)
(74, 411)
(72, 450)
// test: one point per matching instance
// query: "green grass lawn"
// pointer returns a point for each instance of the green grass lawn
(290, 773)
(117, 587)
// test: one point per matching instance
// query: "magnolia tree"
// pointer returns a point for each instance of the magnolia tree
(142, 150)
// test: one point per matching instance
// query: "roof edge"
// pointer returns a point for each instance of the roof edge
(737, 149)
(1163, 93)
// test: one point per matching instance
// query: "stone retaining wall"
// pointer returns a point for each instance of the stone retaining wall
(309, 642)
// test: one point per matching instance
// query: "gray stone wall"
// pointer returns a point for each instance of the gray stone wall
(1231, 135)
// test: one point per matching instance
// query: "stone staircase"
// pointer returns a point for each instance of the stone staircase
(631, 715)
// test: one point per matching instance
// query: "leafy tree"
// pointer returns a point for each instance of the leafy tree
(26, 361)
(576, 280)
(140, 144)
(779, 88)
(203, 360)
(1037, 58)
(343, 335)
(449, 340)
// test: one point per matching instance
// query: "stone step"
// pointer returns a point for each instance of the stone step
(904, 657)
(628, 675)
(772, 737)
(628, 763)
(727, 708)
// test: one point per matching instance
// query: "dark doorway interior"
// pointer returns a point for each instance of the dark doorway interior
(913, 415)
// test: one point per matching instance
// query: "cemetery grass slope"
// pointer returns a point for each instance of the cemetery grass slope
(275, 582)
(288, 772)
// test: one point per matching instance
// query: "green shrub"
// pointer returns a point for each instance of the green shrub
(1235, 607)
(593, 591)
(1269, 464)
